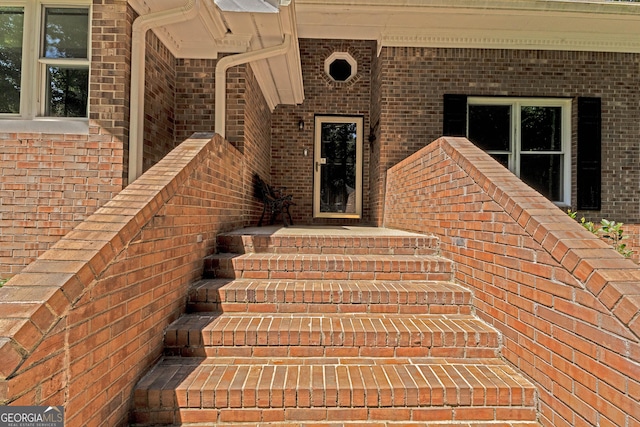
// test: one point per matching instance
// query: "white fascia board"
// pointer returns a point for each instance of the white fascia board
(559, 25)
(603, 6)
(512, 40)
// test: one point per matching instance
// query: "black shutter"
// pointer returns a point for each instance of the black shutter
(589, 153)
(454, 115)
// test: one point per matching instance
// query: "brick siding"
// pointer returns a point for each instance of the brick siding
(632, 241)
(248, 125)
(52, 182)
(413, 82)
(110, 82)
(159, 102)
(289, 167)
(195, 97)
(377, 176)
(256, 143)
(84, 322)
(567, 304)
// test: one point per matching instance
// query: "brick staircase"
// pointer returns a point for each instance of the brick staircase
(330, 327)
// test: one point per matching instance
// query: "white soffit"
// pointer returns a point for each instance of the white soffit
(511, 24)
(255, 6)
(202, 37)
(237, 26)
(279, 77)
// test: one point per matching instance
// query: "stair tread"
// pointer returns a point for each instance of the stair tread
(331, 330)
(334, 382)
(391, 316)
(321, 231)
(379, 241)
(381, 423)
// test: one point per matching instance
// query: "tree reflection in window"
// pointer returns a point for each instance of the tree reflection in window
(339, 173)
(65, 33)
(68, 92)
(11, 29)
(65, 37)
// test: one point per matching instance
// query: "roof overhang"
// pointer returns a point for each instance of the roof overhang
(237, 26)
(604, 26)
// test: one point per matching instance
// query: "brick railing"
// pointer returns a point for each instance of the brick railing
(566, 303)
(82, 324)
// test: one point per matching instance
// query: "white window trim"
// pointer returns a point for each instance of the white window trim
(32, 85)
(516, 103)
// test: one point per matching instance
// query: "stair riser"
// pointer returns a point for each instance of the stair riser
(364, 292)
(291, 335)
(335, 417)
(257, 296)
(328, 268)
(317, 351)
(328, 245)
(195, 307)
(327, 275)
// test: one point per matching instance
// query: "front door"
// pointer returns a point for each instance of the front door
(337, 167)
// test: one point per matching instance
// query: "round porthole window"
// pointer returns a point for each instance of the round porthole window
(340, 66)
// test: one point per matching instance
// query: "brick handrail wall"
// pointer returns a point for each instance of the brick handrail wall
(81, 324)
(566, 303)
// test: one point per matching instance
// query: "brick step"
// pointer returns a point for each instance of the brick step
(281, 334)
(340, 389)
(329, 267)
(363, 240)
(326, 296)
(196, 420)
(434, 415)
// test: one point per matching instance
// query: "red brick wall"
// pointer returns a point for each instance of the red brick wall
(377, 176)
(414, 80)
(195, 97)
(159, 103)
(53, 181)
(236, 104)
(632, 241)
(248, 125)
(256, 143)
(567, 305)
(84, 322)
(110, 82)
(289, 167)
(49, 184)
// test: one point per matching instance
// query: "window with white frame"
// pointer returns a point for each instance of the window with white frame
(531, 137)
(44, 59)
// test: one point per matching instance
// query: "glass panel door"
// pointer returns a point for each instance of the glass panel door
(338, 167)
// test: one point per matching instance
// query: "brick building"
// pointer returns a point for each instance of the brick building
(397, 76)
(320, 97)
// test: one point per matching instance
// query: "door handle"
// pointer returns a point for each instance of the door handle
(321, 161)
